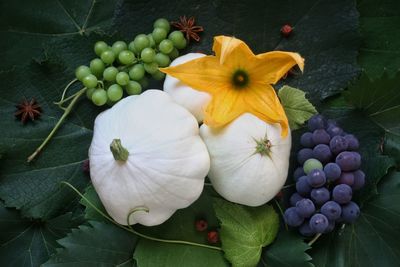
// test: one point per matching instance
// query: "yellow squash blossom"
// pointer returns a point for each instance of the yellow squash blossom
(238, 81)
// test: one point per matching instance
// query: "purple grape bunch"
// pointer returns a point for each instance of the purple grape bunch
(328, 174)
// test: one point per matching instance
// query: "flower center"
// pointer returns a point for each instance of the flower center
(263, 147)
(240, 78)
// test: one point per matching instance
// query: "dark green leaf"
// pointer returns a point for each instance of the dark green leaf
(95, 245)
(91, 213)
(373, 240)
(381, 36)
(325, 32)
(245, 231)
(392, 147)
(297, 108)
(26, 242)
(289, 249)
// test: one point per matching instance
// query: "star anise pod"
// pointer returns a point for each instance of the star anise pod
(28, 110)
(186, 25)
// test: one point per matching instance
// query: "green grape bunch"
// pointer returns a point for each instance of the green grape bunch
(124, 67)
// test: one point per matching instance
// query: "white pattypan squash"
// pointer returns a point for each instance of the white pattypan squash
(249, 159)
(193, 100)
(146, 152)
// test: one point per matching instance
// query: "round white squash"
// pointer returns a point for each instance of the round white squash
(249, 159)
(159, 163)
(193, 100)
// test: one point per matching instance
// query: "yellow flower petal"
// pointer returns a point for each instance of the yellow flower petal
(270, 67)
(225, 47)
(224, 107)
(263, 102)
(204, 74)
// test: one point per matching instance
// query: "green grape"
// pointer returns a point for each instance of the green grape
(166, 46)
(126, 57)
(150, 68)
(152, 43)
(99, 97)
(100, 47)
(144, 82)
(115, 92)
(141, 42)
(119, 46)
(162, 60)
(132, 47)
(110, 73)
(97, 67)
(147, 55)
(90, 81)
(89, 92)
(158, 75)
(174, 54)
(110, 103)
(159, 34)
(176, 37)
(133, 88)
(162, 23)
(108, 56)
(82, 71)
(122, 78)
(181, 44)
(136, 73)
(312, 164)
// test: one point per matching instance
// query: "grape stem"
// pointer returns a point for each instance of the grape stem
(64, 92)
(67, 111)
(312, 241)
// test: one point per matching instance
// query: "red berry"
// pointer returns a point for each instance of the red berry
(279, 195)
(86, 166)
(201, 225)
(286, 30)
(212, 237)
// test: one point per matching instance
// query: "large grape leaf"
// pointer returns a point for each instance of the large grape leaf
(25, 242)
(96, 244)
(245, 231)
(381, 36)
(373, 240)
(325, 32)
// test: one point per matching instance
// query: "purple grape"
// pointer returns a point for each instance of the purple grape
(332, 171)
(306, 140)
(330, 227)
(331, 210)
(316, 122)
(320, 195)
(334, 130)
(338, 144)
(320, 136)
(304, 154)
(302, 186)
(322, 153)
(319, 223)
(346, 178)
(352, 141)
(294, 198)
(305, 229)
(298, 173)
(316, 178)
(359, 179)
(330, 123)
(292, 218)
(305, 208)
(342, 193)
(350, 212)
(348, 161)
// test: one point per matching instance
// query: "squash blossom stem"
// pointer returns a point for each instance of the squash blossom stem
(59, 123)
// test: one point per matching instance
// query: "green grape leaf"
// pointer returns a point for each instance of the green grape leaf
(26, 242)
(392, 147)
(181, 226)
(373, 240)
(91, 213)
(381, 36)
(289, 249)
(325, 33)
(96, 244)
(245, 231)
(297, 108)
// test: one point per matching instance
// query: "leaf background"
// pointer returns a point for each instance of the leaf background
(43, 41)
